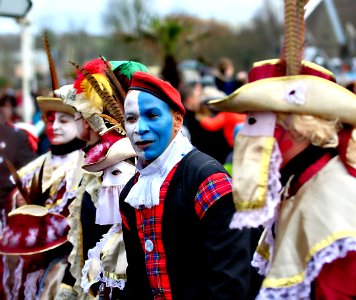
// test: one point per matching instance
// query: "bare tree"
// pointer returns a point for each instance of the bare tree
(128, 16)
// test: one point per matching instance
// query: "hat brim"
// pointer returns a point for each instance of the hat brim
(53, 245)
(47, 104)
(317, 97)
(119, 151)
(32, 211)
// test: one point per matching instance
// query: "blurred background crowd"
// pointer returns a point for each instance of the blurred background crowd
(202, 58)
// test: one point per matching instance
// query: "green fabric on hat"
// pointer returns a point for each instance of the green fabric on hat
(127, 68)
(116, 63)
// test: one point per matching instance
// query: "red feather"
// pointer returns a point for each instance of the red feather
(95, 66)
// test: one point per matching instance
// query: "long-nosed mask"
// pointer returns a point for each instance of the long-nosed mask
(256, 162)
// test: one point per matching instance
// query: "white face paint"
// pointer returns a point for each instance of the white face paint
(60, 128)
(148, 123)
(118, 174)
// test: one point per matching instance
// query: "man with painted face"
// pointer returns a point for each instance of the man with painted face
(176, 210)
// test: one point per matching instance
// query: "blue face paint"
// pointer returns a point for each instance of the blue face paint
(149, 124)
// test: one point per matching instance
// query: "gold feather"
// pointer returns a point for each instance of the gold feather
(52, 68)
(110, 103)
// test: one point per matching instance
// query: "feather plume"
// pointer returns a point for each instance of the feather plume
(118, 92)
(102, 87)
(17, 180)
(114, 82)
(293, 44)
(32, 194)
(118, 126)
(36, 195)
(52, 68)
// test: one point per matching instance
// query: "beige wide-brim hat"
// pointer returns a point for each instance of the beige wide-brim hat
(47, 104)
(300, 94)
(119, 151)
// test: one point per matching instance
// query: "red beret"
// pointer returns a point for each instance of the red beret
(159, 88)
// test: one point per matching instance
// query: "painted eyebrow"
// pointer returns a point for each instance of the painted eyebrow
(65, 118)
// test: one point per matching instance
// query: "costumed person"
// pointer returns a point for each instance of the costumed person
(51, 180)
(176, 210)
(106, 263)
(15, 150)
(59, 170)
(39, 239)
(96, 95)
(300, 138)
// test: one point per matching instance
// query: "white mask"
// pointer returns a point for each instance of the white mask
(118, 174)
(115, 178)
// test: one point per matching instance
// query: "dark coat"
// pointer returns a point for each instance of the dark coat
(205, 259)
(15, 147)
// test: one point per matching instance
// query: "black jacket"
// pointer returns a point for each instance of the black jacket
(205, 259)
(15, 147)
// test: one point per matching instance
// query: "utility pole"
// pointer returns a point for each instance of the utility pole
(18, 10)
(28, 108)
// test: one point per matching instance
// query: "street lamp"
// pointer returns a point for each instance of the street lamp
(15, 9)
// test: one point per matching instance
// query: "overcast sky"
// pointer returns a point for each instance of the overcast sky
(64, 15)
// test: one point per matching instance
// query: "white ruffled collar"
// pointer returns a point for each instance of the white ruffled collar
(146, 191)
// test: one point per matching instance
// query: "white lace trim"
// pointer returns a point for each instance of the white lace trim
(257, 217)
(14, 294)
(5, 277)
(94, 253)
(301, 291)
(66, 197)
(114, 283)
(260, 263)
(31, 284)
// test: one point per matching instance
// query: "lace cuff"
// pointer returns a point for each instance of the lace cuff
(94, 254)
